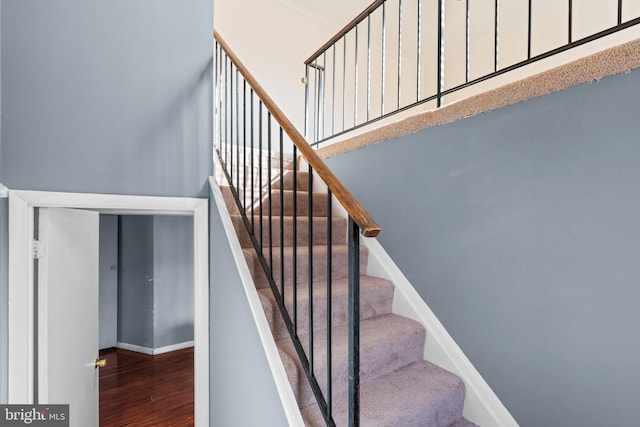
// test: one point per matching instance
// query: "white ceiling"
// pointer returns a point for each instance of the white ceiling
(332, 13)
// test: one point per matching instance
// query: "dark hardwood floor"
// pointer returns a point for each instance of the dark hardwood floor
(140, 390)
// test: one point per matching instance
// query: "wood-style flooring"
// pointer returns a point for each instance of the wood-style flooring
(139, 390)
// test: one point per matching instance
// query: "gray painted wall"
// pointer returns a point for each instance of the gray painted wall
(106, 97)
(521, 229)
(240, 376)
(108, 282)
(135, 280)
(4, 310)
(173, 280)
(4, 251)
(155, 280)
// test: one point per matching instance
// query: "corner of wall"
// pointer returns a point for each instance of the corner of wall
(4, 283)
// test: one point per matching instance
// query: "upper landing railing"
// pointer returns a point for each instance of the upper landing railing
(398, 54)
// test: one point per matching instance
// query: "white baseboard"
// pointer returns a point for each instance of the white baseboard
(154, 351)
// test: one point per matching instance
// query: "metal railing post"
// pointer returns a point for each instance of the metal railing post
(354, 324)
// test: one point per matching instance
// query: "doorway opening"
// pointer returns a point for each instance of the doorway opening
(146, 326)
(23, 311)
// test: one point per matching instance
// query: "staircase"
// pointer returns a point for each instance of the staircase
(397, 387)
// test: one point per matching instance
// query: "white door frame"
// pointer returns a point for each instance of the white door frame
(21, 274)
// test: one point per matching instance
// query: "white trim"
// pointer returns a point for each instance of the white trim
(154, 351)
(21, 205)
(4, 192)
(20, 301)
(481, 404)
(289, 404)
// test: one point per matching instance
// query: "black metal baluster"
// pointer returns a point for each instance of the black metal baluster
(368, 67)
(238, 132)
(318, 77)
(399, 52)
(226, 117)
(231, 125)
(323, 82)
(329, 302)
(333, 88)
(344, 80)
(496, 30)
(440, 52)
(384, 55)
(467, 49)
(354, 323)
(419, 44)
(217, 95)
(306, 101)
(619, 12)
(253, 211)
(529, 19)
(229, 116)
(260, 195)
(310, 266)
(355, 91)
(570, 23)
(281, 220)
(295, 241)
(221, 103)
(244, 147)
(270, 194)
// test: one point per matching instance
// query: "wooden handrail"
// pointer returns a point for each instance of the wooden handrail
(367, 225)
(355, 21)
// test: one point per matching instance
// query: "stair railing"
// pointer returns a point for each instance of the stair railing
(251, 133)
(391, 57)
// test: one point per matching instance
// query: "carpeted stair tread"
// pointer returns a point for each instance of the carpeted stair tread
(463, 422)
(319, 230)
(387, 343)
(376, 296)
(339, 263)
(319, 203)
(419, 395)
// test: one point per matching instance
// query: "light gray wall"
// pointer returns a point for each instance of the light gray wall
(108, 282)
(521, 229)
(155, 280)
(173, 280)
(106, 96)
(4, 253)
(4, 310)
(135, 280)
(240, 376)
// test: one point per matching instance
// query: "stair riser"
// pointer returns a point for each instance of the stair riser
(319, 231)
(339, 265)
(376, 297)
(319, 207)
(302, 181)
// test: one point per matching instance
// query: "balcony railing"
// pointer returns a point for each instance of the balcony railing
(398, 54)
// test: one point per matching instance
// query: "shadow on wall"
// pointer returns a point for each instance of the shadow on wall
(186, 118)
